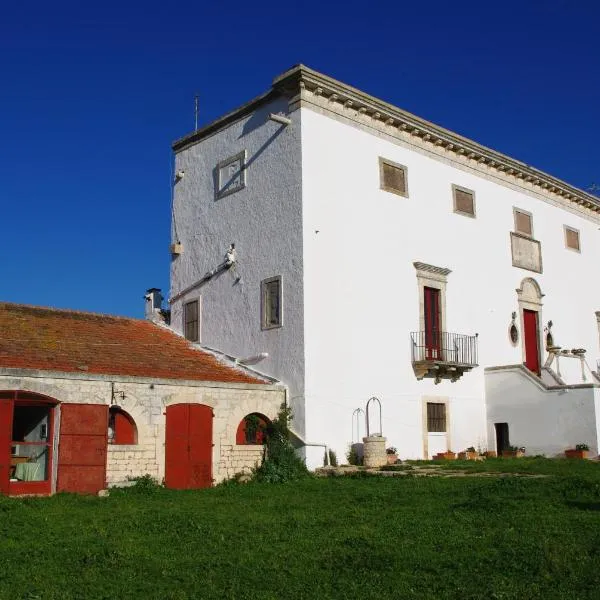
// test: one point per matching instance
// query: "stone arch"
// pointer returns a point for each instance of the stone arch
(252, 406)
(252, 430)
(529, 296)
(122, 428)
(530, 292)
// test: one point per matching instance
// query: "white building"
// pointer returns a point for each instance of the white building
(363, 234)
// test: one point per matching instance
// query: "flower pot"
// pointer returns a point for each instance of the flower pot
(468, 455)
(445, 456)
(392, 459)
(577, 453)
(512, 454)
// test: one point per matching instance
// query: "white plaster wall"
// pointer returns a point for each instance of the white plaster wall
(264, 221)
(146, 402)
(360, 286)
(545, 422)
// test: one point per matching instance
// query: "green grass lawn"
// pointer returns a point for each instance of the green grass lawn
(363, 537)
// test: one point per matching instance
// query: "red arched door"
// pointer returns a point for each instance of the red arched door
(188, 446)
(26, 442)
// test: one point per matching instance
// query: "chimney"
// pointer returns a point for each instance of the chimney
(153, 310)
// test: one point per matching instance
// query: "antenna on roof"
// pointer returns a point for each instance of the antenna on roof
(196, 110)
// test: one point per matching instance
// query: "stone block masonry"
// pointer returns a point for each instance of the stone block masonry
(146, 401)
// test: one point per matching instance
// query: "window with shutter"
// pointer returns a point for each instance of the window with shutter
(271, 303)
(191, 322)
(572, 239)
(436, 417)
(464, 201)
(523, 222)
(393, 177)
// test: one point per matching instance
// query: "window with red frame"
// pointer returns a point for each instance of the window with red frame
(121, 427)
(252, 430)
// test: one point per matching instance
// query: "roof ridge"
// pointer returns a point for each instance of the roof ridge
(4, 304)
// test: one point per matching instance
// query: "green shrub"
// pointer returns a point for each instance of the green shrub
(353, 457)
(333, 462)
(281, 462)
(145, 484)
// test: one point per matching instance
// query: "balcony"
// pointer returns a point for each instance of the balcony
(442, 355)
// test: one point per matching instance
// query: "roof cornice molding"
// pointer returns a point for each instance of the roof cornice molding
(302, 83)
(425, 268)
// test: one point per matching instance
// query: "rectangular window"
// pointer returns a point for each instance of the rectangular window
(271, 303)
(436, 417)
(464, 201)
(393, 177)
(523, 222)
(572, 239)
(190, 320)
(231, 175)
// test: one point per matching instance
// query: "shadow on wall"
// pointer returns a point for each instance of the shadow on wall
(261, 115)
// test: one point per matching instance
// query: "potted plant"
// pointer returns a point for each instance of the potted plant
(514, 452)
(469, 454)
(392, 455)
(448, 455)
(580, 451)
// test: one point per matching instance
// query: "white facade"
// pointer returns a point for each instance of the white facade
(313, 212)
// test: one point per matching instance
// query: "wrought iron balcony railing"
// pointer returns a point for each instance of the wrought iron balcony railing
(444, 347)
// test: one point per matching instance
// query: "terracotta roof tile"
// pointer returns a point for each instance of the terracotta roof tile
(33, 337)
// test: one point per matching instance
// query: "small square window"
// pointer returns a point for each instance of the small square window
(231, 175)
(464, 201)
(190, 321)
(393, 177)
(572, 239)
(436, 417)
(523, 222)
(271, 303)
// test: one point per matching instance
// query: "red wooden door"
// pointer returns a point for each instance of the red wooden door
(188, 446)
(6, 411)
(82, 448)
(532, 357)
(432, 324)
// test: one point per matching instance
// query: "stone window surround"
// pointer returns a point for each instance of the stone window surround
(567, 228)
(524, 212)
(240, 156)
(198, 301)
(529, 296)
(460, 188)
(437, 400)
(385, 161)
(433, 277)
(263, 305)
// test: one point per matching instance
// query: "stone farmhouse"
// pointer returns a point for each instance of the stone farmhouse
(91, 400)
(371, 253)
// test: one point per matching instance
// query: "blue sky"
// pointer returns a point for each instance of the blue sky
(93, 94)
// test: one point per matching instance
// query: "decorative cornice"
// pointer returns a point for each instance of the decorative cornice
(301, 84)
(300, 81)
(425, 268)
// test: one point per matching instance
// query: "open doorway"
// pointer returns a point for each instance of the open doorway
(26, 437)
(502, 438)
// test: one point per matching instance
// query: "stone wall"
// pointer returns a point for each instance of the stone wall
(146, 402)
(239, 459)
(127, 462)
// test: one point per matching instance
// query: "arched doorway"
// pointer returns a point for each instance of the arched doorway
(31, 461)
(530, 306)
(26, 442)
(188, 446)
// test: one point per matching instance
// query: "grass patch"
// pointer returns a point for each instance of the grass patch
(374, 537)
